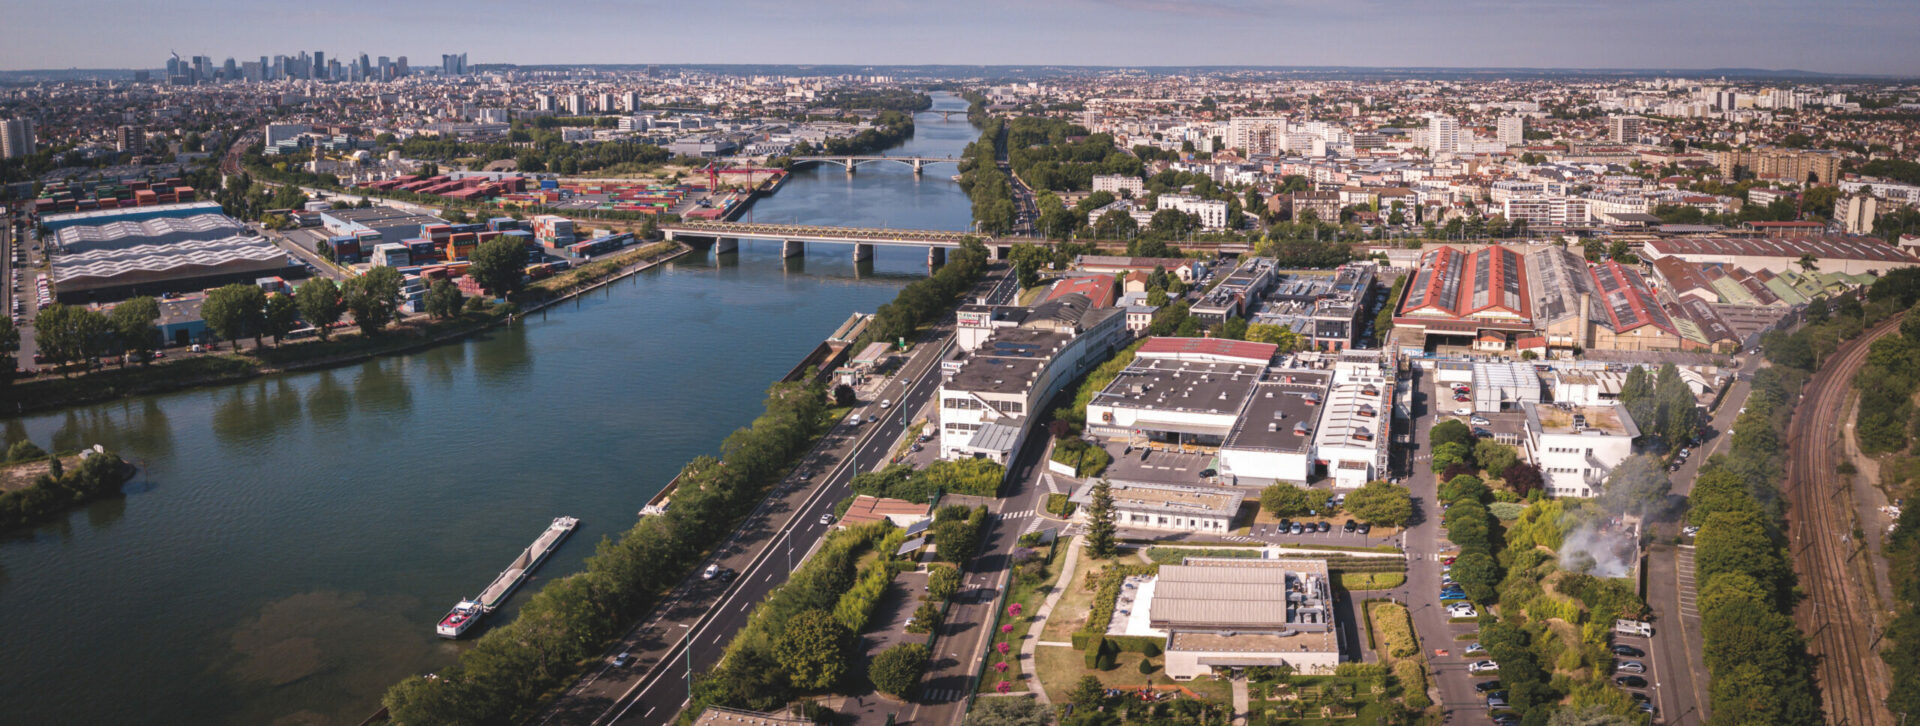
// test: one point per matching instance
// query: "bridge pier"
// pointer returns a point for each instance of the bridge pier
(936, 256)
(723, 245)
(793, 248)
(862, 251)
(916, 167)
(849, 167)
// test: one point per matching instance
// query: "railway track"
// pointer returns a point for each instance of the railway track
(1851, 676)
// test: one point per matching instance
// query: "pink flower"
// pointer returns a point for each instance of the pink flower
(1014, 610)
(1005, 629)
(1003, 687)
(1001, 666)
(1003, 647)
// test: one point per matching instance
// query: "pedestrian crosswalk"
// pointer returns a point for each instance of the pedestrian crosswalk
(943, 695)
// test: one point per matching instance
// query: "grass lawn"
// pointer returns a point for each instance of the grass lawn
(1062, 668)
(1071, 611)
(1372, 580)
(1029, 598)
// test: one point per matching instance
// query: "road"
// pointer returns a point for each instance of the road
(1422, 543)
(691, 629)
(1835, 612)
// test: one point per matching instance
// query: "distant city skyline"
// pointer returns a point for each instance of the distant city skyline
(1845, 36)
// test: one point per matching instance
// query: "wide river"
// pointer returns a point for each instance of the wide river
(294, 538)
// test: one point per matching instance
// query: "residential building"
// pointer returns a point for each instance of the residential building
(16, 138)
(1211, 213)
(1119, 184)
(1855, 213)
(1624, 129)
(1443, 134)
(1511, 130)
(1795, 166)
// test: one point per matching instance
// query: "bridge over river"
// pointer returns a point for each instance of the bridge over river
(726, 237)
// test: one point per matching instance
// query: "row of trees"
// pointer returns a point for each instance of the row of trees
(922, 300)
(1054, 154)
(504, 676)
(1757, 657)
(66, 334)
(1887, 381)
(986, 184)
(1456, 451)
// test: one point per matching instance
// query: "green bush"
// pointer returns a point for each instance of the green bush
(1146, 667)
(1351, 669)
(1413, 683)
(1395, 628)
(100, 475)
(974, 477)
(1059, 505)
(1105, 596)
(856, 605)
(1094, 647)
(896, 670)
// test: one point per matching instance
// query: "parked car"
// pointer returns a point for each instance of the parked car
(1628, 651)
(1366, 527)
(1631, 681)
(711, 572)
(1285, 525)
(1462, 612)
(1482, 666)
(1326, 527)
(1484, 686)
(1690, 530)
(1349, 527)
(1463, 410)
(1475, 648)
(1297, 529)
(1480, 421)
(1630, 666)
(1497, 699)
(621, 660)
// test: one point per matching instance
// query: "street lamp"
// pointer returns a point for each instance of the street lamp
(689, 649)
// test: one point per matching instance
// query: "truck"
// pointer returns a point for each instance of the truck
(1633, 627)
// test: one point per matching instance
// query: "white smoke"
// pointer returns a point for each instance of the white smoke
(1600, 547)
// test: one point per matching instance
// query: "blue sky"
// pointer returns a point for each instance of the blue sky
(1845, 36)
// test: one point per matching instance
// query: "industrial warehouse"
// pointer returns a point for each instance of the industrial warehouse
(102, 257)
(1222, 615)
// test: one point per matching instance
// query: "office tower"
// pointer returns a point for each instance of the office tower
(453, 65)
(16, 138)
(1511, 130)
(1624, 129)
(173, 67)
(1444, 131)
(230, 70)
(633, 101)
(141, 76)
(544, 102)
(400, 66)
(319, 69)
(250, 71)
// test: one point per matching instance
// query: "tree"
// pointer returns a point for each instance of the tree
(1279, 335)
(499, 265)
(1115, 224)
(281, 316)
(443, 300)
(321, 304)
(943, 582)
(1450, 430)
(133, 321)
(1451, 453)
(1100, 527)
(373, 298)
(64, 334)
(1522, 478)
(1809, 263)
(1476, 569)
(1638, 485)
(845, 396)
(813, 650)
(1089, 693)
(1382, 503)
(1464, 488)
(1737, 541)
(1494, 456)
(896, 670)
(1008, 712)
(234, 311)
(1286, 500)
(9, 351)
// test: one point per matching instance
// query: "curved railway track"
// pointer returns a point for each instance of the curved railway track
(1837, 619)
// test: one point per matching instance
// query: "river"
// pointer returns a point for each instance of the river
(293, 539)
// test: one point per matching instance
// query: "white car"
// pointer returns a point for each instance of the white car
(1463, 411)
(886, 403)
(1462, 611)
(826, 518)
(1482, 666)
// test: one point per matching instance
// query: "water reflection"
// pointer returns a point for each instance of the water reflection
(506, 358)
(105, 512)
(382, 387)
(328, 643)
(134, 429)
(445, 363)
(327, 401)
(249, 413)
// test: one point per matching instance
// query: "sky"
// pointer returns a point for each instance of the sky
(1880, 37)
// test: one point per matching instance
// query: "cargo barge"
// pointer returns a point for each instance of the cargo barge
(467, 612)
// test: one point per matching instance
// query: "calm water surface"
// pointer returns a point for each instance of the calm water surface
(293, 539)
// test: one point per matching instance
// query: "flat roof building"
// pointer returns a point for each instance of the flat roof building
(1166, 507)
(1220, 615)
(1576, 446)
(1831, 253)
(989, 396)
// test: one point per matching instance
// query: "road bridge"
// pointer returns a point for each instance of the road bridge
(853, 161)
(726, 237)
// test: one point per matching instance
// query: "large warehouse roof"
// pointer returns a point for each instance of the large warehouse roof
(1834, 247)
(160, 231)
(1629, 303)
(1453, 283)
(142, 263)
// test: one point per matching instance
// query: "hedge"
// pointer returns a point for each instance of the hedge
(1105, 597)
(856, 605)
(1060, 505)
(1412, 675)
(1395, 628)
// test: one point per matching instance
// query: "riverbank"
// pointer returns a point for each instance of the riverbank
(50, 393)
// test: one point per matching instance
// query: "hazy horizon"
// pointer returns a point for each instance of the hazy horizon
(1867, 37)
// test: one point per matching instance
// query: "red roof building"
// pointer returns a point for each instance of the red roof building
(1097, 288)
(1466, 295)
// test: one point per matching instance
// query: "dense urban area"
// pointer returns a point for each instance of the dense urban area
(1247, 396)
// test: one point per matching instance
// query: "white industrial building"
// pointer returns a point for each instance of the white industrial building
(1352, 441)
(989, 396)
(1166, 507)
(1575, 446)
(1222, 615)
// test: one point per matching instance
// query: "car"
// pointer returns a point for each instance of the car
(1349, 527)
(1690, 530)
(621, 660)
(1463, 610)
(826, 518)
(1285, 524)
(1631, 681)
(1630, 666)
(1482, 666)
(1480, 421)
(1326, 527)
(886, 403)
(1475, 648)
(1446, 580)
(872, 418)
(1506, 719)
(1297, 529)
(1453, 593)
(1448, 561)
(1645, 707)
(1639, 697)
(1628, 651)
(1366, 527)
(1497, 699)
(1463, 411)
(711, 572)
(1484, 686)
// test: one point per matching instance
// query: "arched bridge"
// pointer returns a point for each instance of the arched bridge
(850, 162)
(726, 237)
